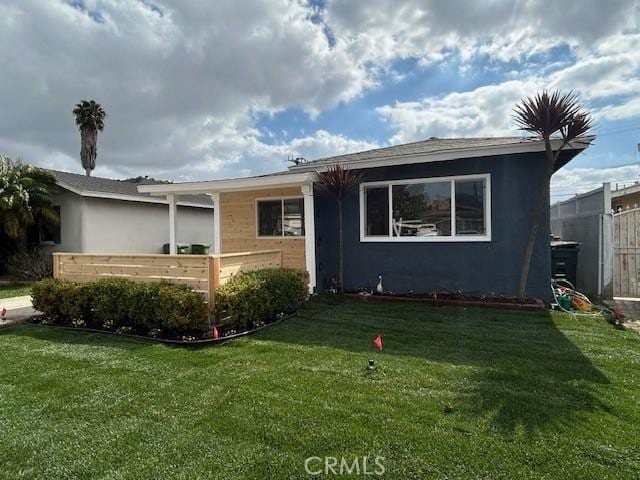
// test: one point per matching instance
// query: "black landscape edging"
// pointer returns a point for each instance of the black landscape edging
(166, 341)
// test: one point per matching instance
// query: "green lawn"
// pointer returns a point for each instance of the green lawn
(14, 290)
(532, 396)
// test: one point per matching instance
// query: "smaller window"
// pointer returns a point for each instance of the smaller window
(49, 232)
(283, 217)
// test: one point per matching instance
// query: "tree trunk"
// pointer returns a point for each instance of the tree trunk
(538, 213)
(340, 248)
(87, 172)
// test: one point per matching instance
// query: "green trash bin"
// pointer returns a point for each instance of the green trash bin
(200, 249)
(564, 260)
(181, 248)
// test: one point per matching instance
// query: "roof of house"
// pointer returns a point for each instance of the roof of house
(431, 150)
(434, 147)
(120, 189)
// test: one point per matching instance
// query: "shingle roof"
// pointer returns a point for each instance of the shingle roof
(429, 146)
(97, 185)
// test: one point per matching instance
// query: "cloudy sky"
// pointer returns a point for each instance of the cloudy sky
(202, 90)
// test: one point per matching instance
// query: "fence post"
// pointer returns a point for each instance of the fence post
(214, 278)
(56, 265)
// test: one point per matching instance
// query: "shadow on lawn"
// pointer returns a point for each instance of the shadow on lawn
(525, 372)
(74, 337)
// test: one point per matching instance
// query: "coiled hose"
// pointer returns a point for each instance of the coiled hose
(564, 287)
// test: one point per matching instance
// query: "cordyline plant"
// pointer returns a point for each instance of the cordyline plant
(90, 120)
(549, 116)
(338, 182)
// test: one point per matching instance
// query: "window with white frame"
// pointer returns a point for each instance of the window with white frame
(280, 217)
(426, 209)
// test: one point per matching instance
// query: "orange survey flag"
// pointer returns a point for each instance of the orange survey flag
(215, 333)
(378, 342)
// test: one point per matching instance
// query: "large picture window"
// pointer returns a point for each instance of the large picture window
(280, 217)
(432, 209)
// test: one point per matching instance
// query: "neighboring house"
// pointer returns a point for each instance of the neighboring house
(100, 215)
(625, 197)
(435, 215)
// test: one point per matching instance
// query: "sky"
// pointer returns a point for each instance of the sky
(198, 90)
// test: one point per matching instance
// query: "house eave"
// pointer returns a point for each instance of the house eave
(233, 185)
(127, 198)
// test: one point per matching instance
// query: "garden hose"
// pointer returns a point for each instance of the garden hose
(573, 302)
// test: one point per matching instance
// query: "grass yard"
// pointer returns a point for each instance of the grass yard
(532, 396)
(14, 290)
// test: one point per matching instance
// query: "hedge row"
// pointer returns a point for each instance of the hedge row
(245, 302)
(121, 304)
(258, 297)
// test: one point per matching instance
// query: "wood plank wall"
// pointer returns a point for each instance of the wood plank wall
(239, 234)
(203, 273)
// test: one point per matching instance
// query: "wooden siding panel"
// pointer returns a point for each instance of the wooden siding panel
(238, 217)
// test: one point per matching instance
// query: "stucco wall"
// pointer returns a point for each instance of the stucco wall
(491, 268)
(95, 225)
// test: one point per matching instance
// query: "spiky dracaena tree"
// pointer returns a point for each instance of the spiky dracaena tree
(25, 196)
(549, 116)
(90, 120)
(337, 182)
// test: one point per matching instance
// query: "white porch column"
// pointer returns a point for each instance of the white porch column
(172, 223)
(309, 234)
(217, 223)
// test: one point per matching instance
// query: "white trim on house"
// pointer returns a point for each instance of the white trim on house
(441, 156)
(127, 198)
(309, 234)
(282, 199)
(233, 185)
(451, 238)
(217, 223)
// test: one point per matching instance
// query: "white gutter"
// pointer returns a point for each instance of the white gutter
(233, 185)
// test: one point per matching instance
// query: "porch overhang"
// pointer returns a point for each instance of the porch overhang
(284, 179)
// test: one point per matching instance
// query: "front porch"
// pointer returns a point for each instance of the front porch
(238, 221)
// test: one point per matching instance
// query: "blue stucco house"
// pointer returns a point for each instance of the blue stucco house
(430, 216)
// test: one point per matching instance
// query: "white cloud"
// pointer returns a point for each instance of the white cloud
(608, 75)
(484, 111)
(183, 80)
(568, 182)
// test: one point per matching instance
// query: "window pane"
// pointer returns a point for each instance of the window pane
(422, 210)
(470, 207)
(377, 211)
(294, 217)
(270, 218)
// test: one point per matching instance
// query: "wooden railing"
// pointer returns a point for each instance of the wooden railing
(203, 273)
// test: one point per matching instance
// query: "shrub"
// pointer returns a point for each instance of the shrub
(30, 265)
(61, 301)
(121, 304)
(110, 299)
(166, 306)
(259, 296)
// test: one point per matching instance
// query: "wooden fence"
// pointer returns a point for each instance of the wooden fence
(203, 273)
(626, 253)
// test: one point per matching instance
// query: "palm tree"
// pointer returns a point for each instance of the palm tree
(90, 120)
(549, 116)
(25, 196)
(337, 182)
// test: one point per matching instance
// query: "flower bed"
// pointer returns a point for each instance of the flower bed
(170, 312)
(454, 299)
